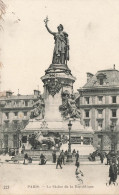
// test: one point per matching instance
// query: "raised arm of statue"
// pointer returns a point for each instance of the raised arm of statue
(46, 25)
(53, 33)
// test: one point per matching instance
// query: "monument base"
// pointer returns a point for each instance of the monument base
(81, 138)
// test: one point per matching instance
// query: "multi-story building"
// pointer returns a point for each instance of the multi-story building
(14, 115)
(99, 105)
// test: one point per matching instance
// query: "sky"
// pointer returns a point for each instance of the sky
(26, 48)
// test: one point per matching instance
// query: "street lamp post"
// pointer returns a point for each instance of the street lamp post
(69, 155)
(19, 127)
(113, 138)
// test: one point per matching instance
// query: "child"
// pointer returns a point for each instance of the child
(79, 174)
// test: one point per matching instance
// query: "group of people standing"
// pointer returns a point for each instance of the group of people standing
(60, 159)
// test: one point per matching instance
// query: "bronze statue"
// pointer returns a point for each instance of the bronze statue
(61, 48)
(68, 107)
(38, 108)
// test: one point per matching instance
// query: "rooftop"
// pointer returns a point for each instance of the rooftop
(19, 97)
(104, 79)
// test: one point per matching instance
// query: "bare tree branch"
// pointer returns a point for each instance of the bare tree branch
(2, 11)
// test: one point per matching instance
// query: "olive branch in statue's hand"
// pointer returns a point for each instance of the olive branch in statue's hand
(46, 21)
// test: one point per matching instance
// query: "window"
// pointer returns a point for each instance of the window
(87, 100)
(15, 141)
(114, 123)
(87, 123)
(25, 113)
(101, 81)
(101, 77)
(100, 124)
(114, 113)
(6, 124)
(6, 141)
(100, 113)
(26, 103)
(7, 115)
(15, 125)
(16, 113)
(113, 99)
(17, 103)
(87, 113)
(100, 98)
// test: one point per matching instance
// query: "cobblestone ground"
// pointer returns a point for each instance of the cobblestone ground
(37, 179)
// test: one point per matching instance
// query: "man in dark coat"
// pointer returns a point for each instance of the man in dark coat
(25, 157)
(77, 156)
(113, 173)
(101, 157)
(23, 149)
(62, 157)
(77, 164)
(59, 162)
(108, 156)
(54, 156)
(43, 159)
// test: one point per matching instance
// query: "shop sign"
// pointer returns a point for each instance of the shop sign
(76, 140)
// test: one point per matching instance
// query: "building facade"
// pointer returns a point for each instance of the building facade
(14, 116)
(99, 106)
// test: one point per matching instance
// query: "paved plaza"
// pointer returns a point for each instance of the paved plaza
(37, 179)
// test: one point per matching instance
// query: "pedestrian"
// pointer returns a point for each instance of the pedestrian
(79, 174)
(54, 156)
(43, 160)
(59, 162)
(108, 158)
(29, 159)
(66, 152)
(74, 152)
(112, 173)
(77, 156)
(114, 159)
(62, 157)
(93, 155)
(77, 164)
(23, 149)
(118, 165)
(101, 157)
(25, 158)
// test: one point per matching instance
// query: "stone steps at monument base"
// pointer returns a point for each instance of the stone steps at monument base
(20, 157)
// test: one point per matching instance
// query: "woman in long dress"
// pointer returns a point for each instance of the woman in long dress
(61, 48)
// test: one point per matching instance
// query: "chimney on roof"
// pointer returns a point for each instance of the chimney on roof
(18, 92)
(89, 76)
(36, 92)
(8, 93)
(114, 66)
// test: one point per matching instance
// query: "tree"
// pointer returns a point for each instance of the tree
(2, 11)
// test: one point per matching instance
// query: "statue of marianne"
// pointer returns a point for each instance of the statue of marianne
(61, 48)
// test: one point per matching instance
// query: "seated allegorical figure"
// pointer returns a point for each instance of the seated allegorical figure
(38, 108)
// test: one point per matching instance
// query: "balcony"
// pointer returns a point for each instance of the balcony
(15, 118)
(25, 118)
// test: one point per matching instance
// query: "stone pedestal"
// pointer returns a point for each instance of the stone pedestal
(57, 79)
(52, 104)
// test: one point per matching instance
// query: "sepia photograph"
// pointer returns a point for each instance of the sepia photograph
(59, 97)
